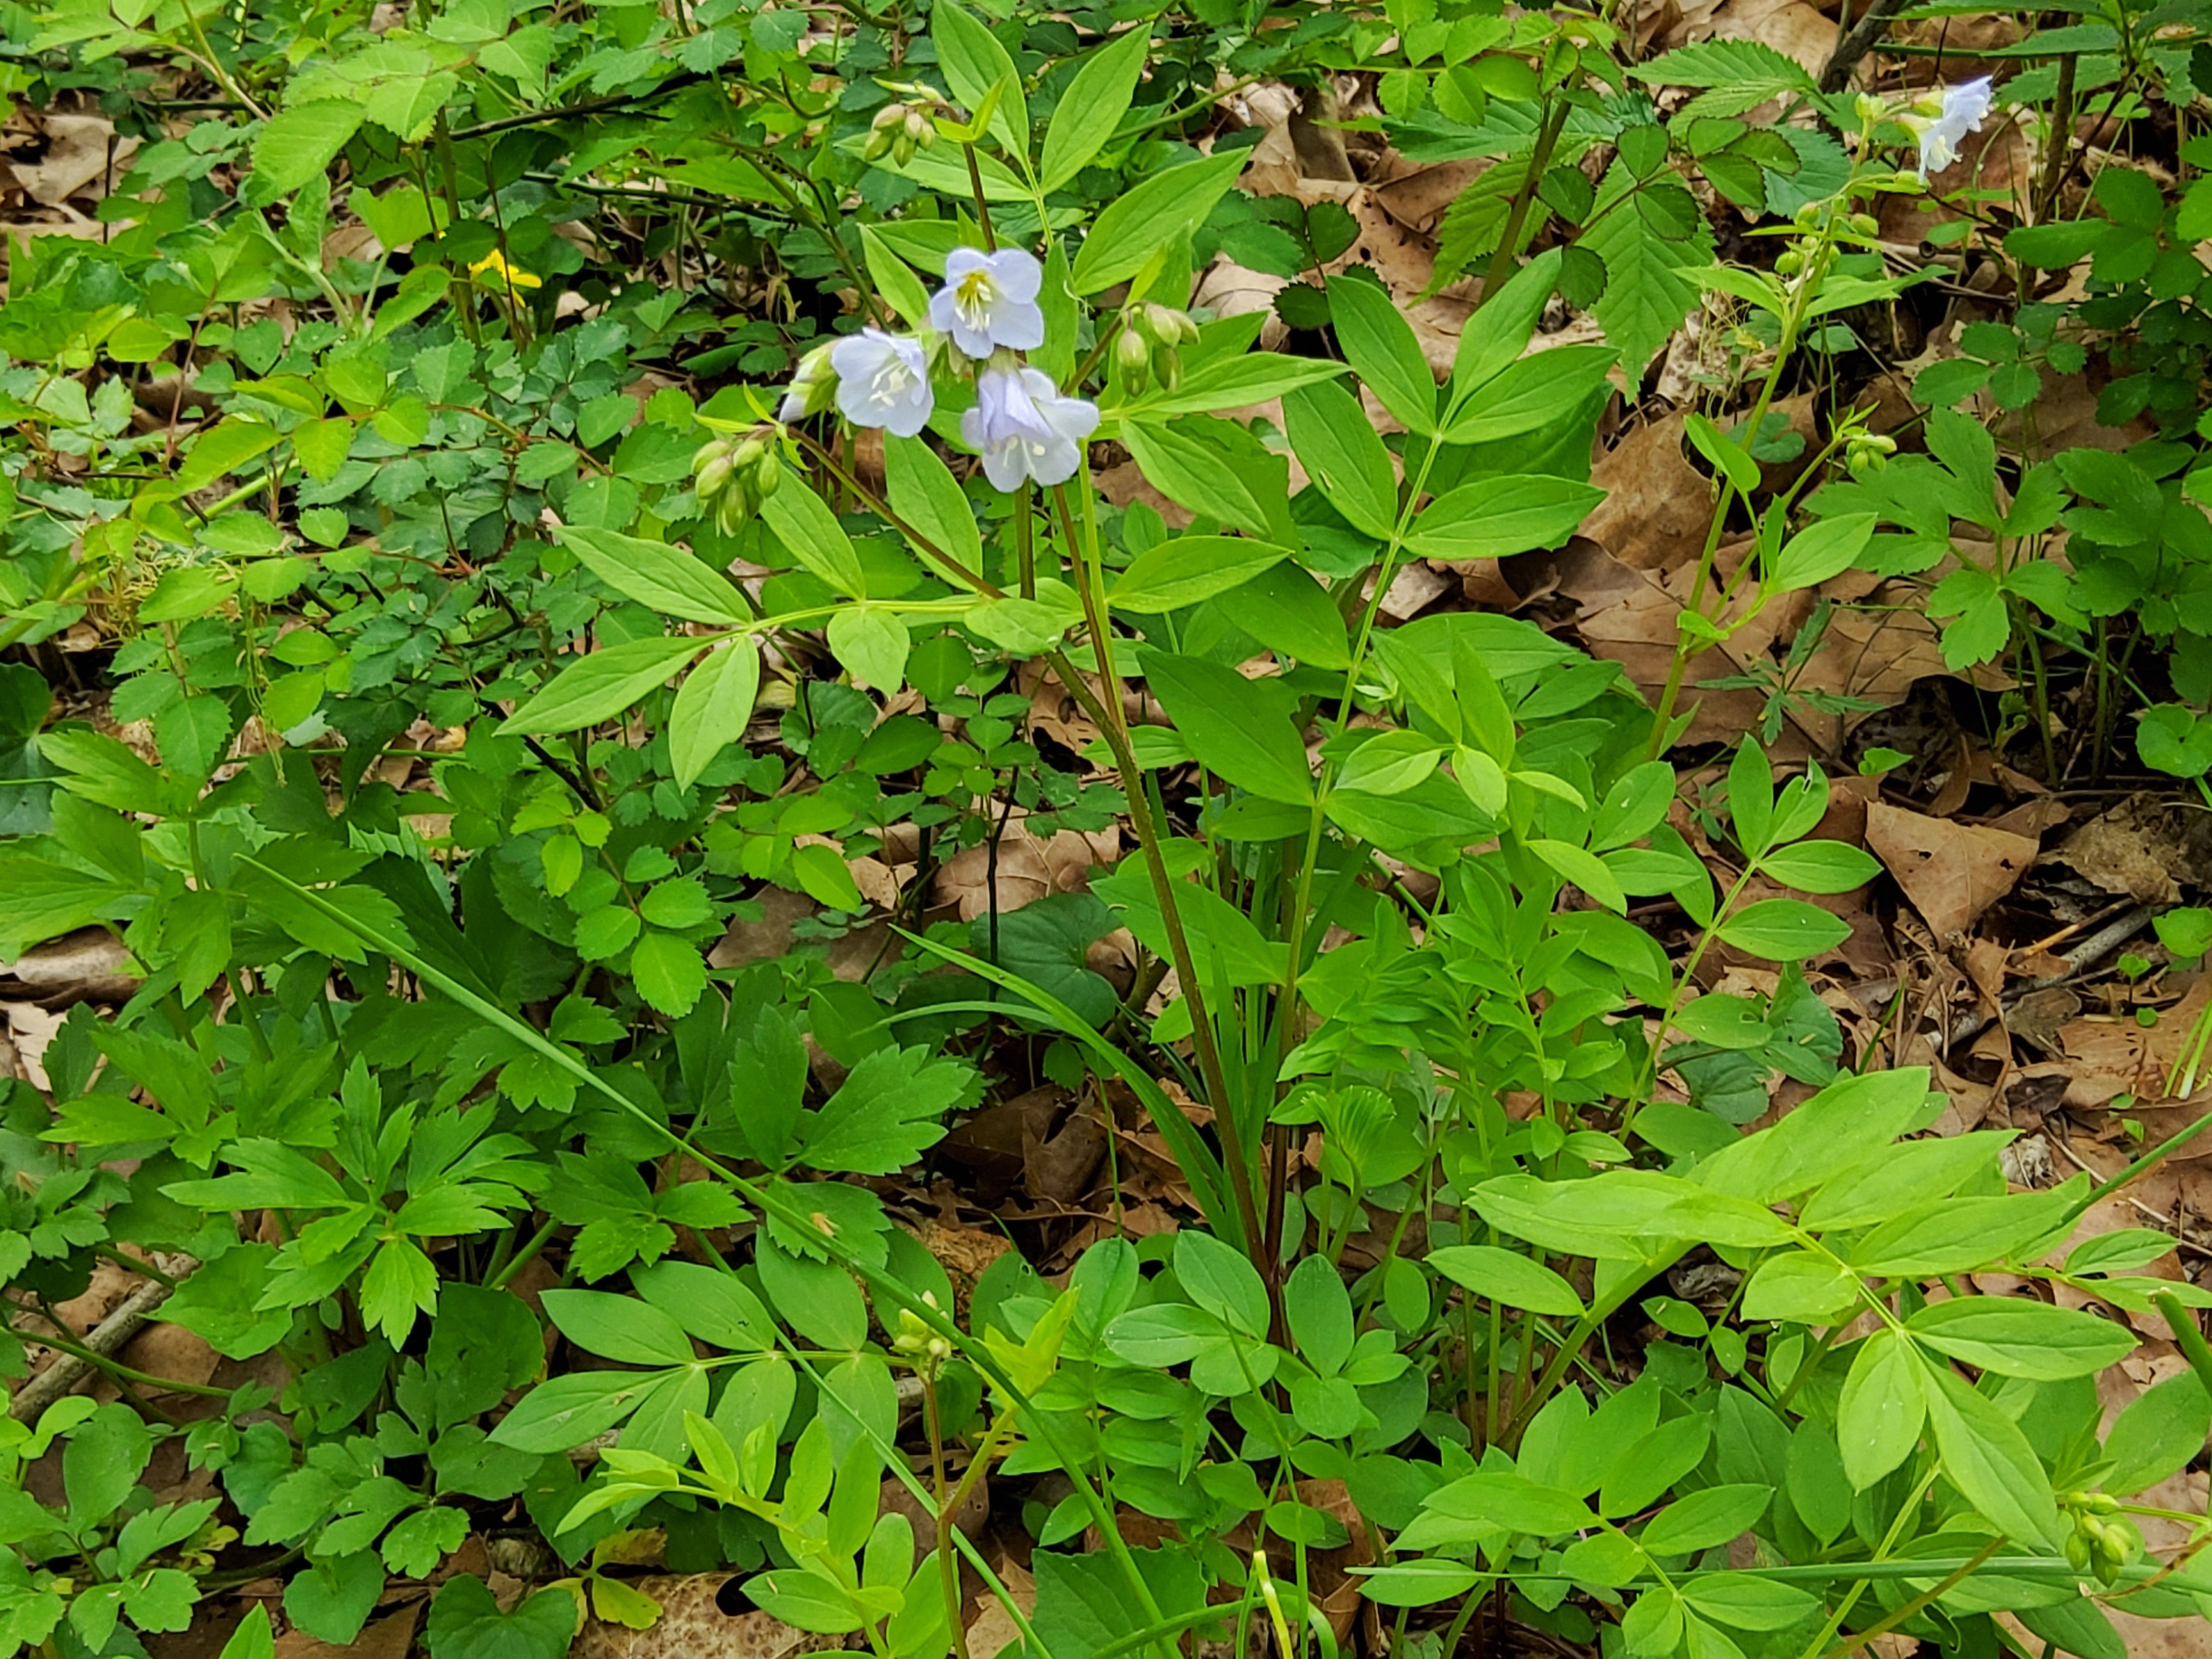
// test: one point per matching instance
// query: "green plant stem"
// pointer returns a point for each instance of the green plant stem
(1516, 216)
(1927, 1598)
(122, 1372)
(948, 1569)
(1114, 727)
(504, 1276)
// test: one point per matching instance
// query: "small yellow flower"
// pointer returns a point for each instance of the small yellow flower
(494, 264)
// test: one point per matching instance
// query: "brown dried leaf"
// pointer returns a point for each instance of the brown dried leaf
(1951, 871)
(695, 1624)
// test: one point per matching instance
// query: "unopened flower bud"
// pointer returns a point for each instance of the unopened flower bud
(1132, 360)
(766, 473)
(714, 475)
(902, 149)
(920, 129)
(1789, 262)
(1167, 368)
(890, 116)
(1866, 224)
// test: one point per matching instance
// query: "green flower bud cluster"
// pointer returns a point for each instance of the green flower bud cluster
(897, 131)
(923, 1347)
(1148, 349)
(2101, 1542)
(735, 474)
(1868, 451)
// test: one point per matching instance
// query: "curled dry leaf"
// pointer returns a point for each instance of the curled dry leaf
(1028, 868)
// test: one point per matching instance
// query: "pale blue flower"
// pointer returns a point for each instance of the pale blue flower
(1941, 122)
(1024, 429)
(989, 299)
(883, 379)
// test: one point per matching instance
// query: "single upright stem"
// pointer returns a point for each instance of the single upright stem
(983, 207)
(1113, 727)
(1539, 159)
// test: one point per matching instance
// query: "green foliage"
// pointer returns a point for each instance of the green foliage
(495, 671)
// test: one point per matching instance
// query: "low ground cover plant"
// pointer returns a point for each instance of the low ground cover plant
(664, 655)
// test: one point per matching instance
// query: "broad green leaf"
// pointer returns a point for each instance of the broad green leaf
(1226, 481)
(1379, 344)
(889, 1108)
(1714, 1516)
(1241, 730)
(1648, 289)
(1227, 382)
(811, 534)
(1881, 1408)
(1139, 223)
(895, 281)
(1507, 1502)
(1958, 1234)
(1184, 571)
(872, 644)
(618, 1328)
(1821, 867)
(1532, 393)
(1804, 1286)
(1416, 1584)
(1989, 1459)
(601, 685)
(1896, 1179)
(1334, 442)
(1389, 763)
(1825, 548)
(1507, 1277)
(2014, 1336)
(977, 67)
(1747, 1602)
(712, 707)
(1494, 518)
(1615, 1215)
(1217, 1277)
(1784, 930)
(665, 578)
(1093, 105)
(1582, 867)
(298, 144)
(1724, 454)
(925, 494)
(2159, 1434)
(1497, 335)
(223, 450)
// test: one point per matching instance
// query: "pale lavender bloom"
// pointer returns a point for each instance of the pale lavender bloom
(1941, 124)
(883, 379)
(1023, 428)
(989, 299)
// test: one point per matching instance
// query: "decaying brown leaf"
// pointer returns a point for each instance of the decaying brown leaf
(1951, 871)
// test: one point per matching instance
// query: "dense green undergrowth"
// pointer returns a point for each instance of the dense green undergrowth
(456, 447)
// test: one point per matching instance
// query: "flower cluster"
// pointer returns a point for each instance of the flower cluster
(987, 314)
(736, 474)
(1940, 119)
